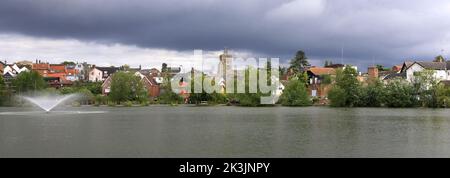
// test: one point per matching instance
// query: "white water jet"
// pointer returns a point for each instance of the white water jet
(49, 102)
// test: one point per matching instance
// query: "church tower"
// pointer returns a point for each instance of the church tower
(225, 64)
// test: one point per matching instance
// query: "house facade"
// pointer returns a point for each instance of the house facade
(83, 71)
(56, 75)
(100, 74)
(318, 86)
(441, 70)
(150, 85)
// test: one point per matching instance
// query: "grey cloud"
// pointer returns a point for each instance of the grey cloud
(385, 30)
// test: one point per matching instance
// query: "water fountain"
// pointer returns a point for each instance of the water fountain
(49, 102)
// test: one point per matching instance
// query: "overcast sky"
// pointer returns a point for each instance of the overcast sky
(149, 32)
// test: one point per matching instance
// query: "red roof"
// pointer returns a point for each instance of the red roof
(57, 75)
(40, 66)
(58, 67)
(323, 71)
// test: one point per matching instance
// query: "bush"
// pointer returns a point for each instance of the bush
(371, 95)
(146, 103)
(443, 96)
(337, 97)
(295, 94)
(86, 97)
(169, 97)
(111, 103)
(345, 92)
(100, 100)
(400, 94)
(128, 104)
(67, 90)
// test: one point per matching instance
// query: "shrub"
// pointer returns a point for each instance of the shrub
(295, 94)
(128, 104)
(400, 94)
(337, 97)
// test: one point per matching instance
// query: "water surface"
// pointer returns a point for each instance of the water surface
(162, 131)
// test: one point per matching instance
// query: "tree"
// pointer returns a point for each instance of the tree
(382, 68)
(425, 84)
(295, 94)
(126, 67)
(443, 96)
(283, 70)
(337, 97)
(164, 67)
(328, 63)
(346, 82)
(371, 95)
(94, 87)
(400, 94)
(439, 58)
(125, 87)
(29, 81)
(299, 62)
(68, 63)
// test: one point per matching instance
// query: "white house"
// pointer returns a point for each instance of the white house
(100, 74)
(14, 70)
(441, 69)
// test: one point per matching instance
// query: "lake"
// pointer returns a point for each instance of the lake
(185, 131)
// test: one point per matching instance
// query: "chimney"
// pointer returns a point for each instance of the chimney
(373, 72)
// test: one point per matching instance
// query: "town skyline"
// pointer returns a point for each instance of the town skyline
(355, 32)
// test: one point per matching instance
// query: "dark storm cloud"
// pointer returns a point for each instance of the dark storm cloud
(385, 31)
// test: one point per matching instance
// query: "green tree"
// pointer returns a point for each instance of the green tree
(337, 97)
(346, 82)
(295, 94)
(400, 94)
(382, 68)
(443, 96)
(29, 81)
(68, 63)
(94, 87)
(125, 87)
(426, 84)
(299, 62)
(371, 95)
(283, 71)
(439, 58)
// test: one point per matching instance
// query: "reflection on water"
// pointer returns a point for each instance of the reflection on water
(159, 131)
